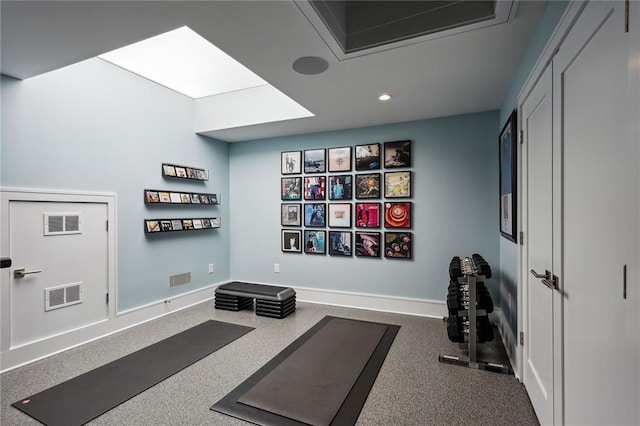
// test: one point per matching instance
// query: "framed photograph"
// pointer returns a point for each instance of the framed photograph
(181, 172)
(213, 199)
(175, 197)
(314, 187)
(195, 199)
(291, 239)
(368, 157)
(197, 223)
(508, 173)
(206, 223)
(291, 188)
(165, 225)
(340, 243)
(397, 245)
(367, 215)
(339, 215)
(397, 215)
(368, 244)
(215, 222)
(340, 187)
(201, 174)
(397, 154)
(315, 242)
(151, 196)
(187, 224)
(315, 215)
(368, 185)
(314, 161)
(340, 159)
(176, 224)
(397, 184)
(204, 199)
(291, 214)
(164, 197)
(291, 162)
(186, 198)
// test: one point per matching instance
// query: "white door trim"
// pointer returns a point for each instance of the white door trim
(19, 194)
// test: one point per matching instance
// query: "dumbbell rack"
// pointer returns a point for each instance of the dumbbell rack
(470, 277)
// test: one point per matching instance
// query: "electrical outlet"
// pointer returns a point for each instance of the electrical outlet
(211, 268)
(276, 268)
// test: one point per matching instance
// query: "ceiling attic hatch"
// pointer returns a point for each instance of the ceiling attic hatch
(226, 94)
(356, 28)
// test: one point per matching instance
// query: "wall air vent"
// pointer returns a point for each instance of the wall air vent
(62, 223)
(62, 296)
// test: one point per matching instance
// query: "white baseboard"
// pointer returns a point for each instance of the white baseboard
(509, 339)
(27, 353)
(372, 302)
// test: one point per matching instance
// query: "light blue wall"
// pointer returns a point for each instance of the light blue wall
(509, 250)
(95, 127)
(455, 208)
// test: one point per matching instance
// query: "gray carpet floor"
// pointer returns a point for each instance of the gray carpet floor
(413, 388)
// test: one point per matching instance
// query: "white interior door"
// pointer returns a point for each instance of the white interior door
(599, 221)
(538, 348)
(59, 277)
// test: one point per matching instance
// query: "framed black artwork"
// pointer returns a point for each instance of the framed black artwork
(508, 178)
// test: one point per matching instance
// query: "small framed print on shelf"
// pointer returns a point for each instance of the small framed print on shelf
(368, 244)
(397, 154)
(368, 157)
(397, 245)
(368, 185)
(291, 239)
(315, 242)
(397, 215)
(340, 243)
(397, 184)
(314, 161)
(291, 162)
(339, 215)
(367, 215)
(291, 188)
(340, 159)
(291, 214)
(184, 172)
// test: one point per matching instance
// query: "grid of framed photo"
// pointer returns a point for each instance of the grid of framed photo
(184, 172)
(378, 200)
(152, 226)
(154, 196)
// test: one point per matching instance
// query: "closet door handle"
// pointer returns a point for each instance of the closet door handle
(548, 279)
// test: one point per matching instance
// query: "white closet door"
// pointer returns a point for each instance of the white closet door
(599, 219)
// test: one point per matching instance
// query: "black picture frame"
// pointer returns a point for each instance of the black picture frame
(367, 186)
(291, 162)
(367, 215)
(367, 244)
(291, 214)
(368, 157)
(340, 187)
(315, 187)
(315, 215)
(397, 154)
(397, 184)
(315, 241)
(339, 215)
(315, 160)
(339, 159)
(398, 214)
(507, 150)
(291, 240)
(398, 245)
(340, 243)
(291, 188)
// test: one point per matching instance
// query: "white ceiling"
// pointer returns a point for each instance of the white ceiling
(458, 74)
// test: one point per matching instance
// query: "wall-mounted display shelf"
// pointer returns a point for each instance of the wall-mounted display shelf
(152, 226)
(184, 172)
(155, 196)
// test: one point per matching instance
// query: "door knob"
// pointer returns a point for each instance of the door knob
(548, 279)
(20, 273)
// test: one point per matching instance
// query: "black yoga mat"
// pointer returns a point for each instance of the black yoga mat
(322, 378)
(83, 398)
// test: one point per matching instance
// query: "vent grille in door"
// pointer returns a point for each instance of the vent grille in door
(62, 223)
(62, 296)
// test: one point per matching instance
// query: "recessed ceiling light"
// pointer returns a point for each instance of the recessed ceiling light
(384, 97)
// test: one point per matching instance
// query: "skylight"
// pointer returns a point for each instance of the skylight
(186, 62)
